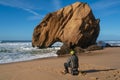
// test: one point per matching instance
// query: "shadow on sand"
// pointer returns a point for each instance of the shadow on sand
(94, 70)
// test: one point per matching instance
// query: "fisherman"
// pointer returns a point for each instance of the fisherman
(72, 63)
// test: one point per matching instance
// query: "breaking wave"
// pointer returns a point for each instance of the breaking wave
(15, 51)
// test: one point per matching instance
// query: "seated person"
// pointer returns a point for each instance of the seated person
(72, 63)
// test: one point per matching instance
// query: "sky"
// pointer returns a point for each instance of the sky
(18, 18)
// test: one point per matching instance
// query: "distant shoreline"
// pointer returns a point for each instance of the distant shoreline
(2, 41)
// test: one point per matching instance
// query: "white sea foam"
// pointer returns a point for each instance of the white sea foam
(23, 51)
(8, 58)
(113, 42)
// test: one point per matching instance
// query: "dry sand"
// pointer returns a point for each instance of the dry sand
(96, 65)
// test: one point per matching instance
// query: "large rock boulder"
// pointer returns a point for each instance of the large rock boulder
(73, 25)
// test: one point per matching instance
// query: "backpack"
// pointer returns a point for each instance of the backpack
(74, 71)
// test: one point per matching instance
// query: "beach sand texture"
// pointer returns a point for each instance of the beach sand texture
(95, 65)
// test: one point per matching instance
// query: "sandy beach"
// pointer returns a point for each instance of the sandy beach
(95, 65)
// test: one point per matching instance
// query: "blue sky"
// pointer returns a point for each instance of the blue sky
(18, 18)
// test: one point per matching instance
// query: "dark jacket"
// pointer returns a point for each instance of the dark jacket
(73, 61)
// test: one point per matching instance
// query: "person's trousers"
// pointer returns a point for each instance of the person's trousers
(66, 66)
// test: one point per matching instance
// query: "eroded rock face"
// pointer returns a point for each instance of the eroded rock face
(73, 25)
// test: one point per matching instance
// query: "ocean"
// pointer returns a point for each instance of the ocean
(113, 43)
(16, 51)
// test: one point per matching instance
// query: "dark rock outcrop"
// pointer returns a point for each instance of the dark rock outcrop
(63, 50)
(94, 47)
(74, 25)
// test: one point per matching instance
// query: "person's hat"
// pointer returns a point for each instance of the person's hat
(72, 52)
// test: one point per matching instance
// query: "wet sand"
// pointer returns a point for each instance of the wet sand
(95, 65)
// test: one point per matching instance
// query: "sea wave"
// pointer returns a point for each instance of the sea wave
(113, 42)
(13, 47)
(15, 51)
(24, 54)
(22, 51)
(15, 57)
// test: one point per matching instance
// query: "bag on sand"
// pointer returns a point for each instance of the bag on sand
(74, 71)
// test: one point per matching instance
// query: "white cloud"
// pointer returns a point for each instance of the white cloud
(19, 4)
(105, 4)
(31, 11)
(106, 7)
(36, 17)
(8, 3)
(57, 4)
